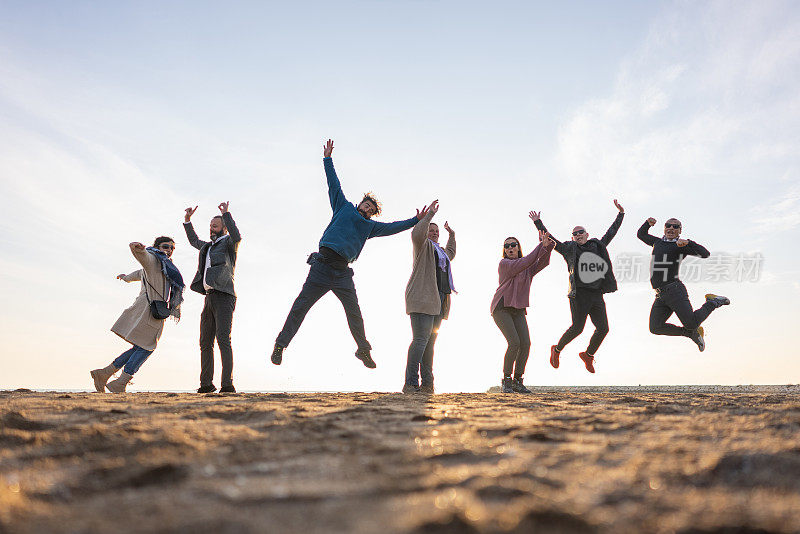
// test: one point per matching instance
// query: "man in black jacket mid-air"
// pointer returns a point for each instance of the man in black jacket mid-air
(590, 277)
(671, 294)
(214, 279)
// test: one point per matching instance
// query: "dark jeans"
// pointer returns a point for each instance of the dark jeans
(216, 321)
(424, 331)
(673, 298)
(586, 304)
(513, 323)
(132, 359)
(321, 279)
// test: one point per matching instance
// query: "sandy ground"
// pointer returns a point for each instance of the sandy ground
(573, 460)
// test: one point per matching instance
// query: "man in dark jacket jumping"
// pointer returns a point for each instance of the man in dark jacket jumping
(590, 277)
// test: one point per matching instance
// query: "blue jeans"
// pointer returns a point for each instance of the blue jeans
(132, 359)
(424, 331)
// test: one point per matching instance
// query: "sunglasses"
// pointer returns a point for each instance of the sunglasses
(670, 225)
(578, 232)
(510, 245)
(167, 247)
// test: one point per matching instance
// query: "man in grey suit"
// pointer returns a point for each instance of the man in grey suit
(214, 279)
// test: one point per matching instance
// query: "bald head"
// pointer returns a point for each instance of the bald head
(580, 235)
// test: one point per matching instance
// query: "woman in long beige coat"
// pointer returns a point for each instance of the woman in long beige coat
(427, 298)
(137, 325)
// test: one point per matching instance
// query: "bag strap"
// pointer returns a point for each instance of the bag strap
(144, 277)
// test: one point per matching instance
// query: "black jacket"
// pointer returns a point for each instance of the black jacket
(223, 258)
(569, 249)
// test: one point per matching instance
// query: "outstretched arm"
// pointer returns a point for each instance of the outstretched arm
(335, 193)
(230, 224)
(612, 230)
(195, 241)
(380, 229)
(135, 276)
(644, 232)
(146, 259)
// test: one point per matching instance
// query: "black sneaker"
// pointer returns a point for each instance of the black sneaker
(506, 385)
(227, 389)
(518, 386)
(718, 300)
(277, 354)
(363, 355)
(697, 337)
(410, 390)
(211, 388)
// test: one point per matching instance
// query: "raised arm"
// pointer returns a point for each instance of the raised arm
(147, 260)
(233, 232)
(335, 193)
(537, 260)
(612, 230)
(450, 247)
(195, 241)
(381, 229)
(535, 217)
(420, 232)
(644, 232)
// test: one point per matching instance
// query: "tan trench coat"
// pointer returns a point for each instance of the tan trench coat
(136, 325)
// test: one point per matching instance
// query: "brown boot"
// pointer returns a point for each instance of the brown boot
(118, 385)
(101, 376)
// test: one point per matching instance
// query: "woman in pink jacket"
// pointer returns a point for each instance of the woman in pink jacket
(509, 303)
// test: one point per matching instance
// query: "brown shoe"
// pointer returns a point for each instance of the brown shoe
(554, 354)
(101, 376)
(588, 359)
(426, 390)
(410, 390)
(118, 385)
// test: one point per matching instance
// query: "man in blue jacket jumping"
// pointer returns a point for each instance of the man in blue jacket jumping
(341, 243)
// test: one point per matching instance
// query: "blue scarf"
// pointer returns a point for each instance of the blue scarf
(175, 280)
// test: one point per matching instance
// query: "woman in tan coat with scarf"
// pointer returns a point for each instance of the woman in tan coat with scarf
(427, 298)
(160, 280)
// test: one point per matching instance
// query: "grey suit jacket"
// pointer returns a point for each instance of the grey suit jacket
(223, 258)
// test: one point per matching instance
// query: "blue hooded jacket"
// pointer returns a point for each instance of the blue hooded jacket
(349, 230)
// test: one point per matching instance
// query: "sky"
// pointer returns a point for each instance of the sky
(114, 117)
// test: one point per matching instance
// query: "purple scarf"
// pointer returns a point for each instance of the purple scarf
(444, 264)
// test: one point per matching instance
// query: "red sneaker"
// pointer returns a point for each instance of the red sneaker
(588, 359)
(554, 354)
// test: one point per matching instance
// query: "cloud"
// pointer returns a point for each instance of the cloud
(710, 95)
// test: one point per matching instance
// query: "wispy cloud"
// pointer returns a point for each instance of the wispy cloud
(711, 93)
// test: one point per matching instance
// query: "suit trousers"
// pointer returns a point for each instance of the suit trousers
(216, 321)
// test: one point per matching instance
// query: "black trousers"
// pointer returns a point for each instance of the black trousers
(513, 323)
(586, 304)
(674, 298)
(216, 321)
(321, 279)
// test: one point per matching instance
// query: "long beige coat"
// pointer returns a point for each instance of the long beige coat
(136, 325)
(422, 293)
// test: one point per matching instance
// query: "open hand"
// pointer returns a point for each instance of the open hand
(545, 238)
(682, 242)
(449, 230)
(651, 221)
(327, 150)
(223, 206)
(137, 246)
(434, 207)
(620, 208)
(535, 215)
(189, 213)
